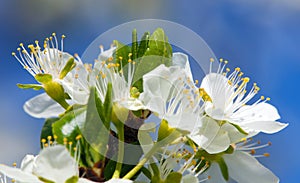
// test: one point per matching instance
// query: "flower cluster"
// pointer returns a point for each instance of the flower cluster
(97, 127)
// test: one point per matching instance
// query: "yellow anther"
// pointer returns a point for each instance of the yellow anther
(65, 139)
(14, 164)
(75, 149)
(63, 36)
(36, 42)
(226, 61)
(76, 76)
(76, 55)
(246, 79)
(227, 69)
(196, 81)
(211, 60)
(238, 69)
(31, 46)
(268, 98)
(110, 59)
(244, 139)
(101, 47)
(130, 54)
(221, 60)
(262, 97)
(13, 53)
(46, 145)
(53, 34)
(55, 137)
(133, 63)
(49, 137)
(252, 151)
(78, 137)
(43, 141)
(267, 154)
(129, 60)
(120, 58)
(202, 158)
(21, 44)
(70, 143)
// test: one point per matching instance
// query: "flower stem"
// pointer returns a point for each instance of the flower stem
(132, 172)
(120, 151)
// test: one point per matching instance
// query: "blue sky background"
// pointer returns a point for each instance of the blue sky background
(262, 37)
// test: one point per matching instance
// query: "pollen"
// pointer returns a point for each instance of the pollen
(266, 154)
(211, 60)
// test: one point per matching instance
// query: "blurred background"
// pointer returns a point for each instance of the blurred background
(260, 36)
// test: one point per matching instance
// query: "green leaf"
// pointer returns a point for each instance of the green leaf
(143, 44)
(174, 177)
(73, 179)
(43, 78)
(97, 124)
(47, 128)
(134, 49)
(67, 68)
(158, 51)
(30, 86)
(223, 168)
(68, 125)
(239, 129)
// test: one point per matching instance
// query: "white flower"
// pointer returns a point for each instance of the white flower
(170, 93)
(57, 64)
(105, 72)
(228, 100)
(53, 163)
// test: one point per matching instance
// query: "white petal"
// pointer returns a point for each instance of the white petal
(18, 174)
(55, 164)
(265, 126)
(211, 137)
(244, 168)
(181, 60)
(42, 106)
(184, 120)
(158, 85)
(217, 87)
(260, 112)
(215, 174)
(104, 55)
(27, 163)
(233, 134)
